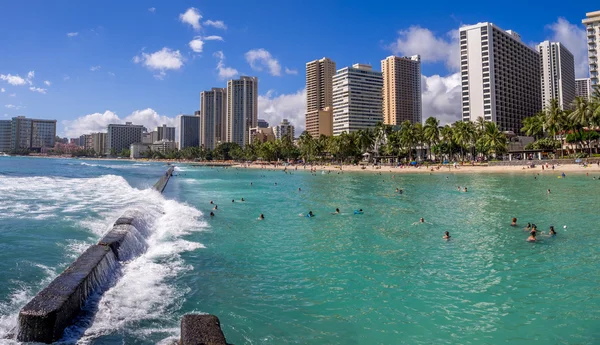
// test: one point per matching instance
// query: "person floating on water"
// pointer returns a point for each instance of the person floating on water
(531, 237)
(446, 235)
(359, 211)
(514, 222)
(337, 211)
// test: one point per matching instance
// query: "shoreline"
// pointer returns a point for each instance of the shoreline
(566, 168)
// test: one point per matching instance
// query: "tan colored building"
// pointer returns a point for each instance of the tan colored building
(319, 96)
(98, 142)
(401, 89)
(261, 134)
(592, 24)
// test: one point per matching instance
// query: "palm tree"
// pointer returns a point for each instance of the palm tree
(307, 146)
(533, 126)
(583, 115)
(408, 136)
(553, 118)
(447, 134)
(461, 136)
(431, 132)
(494, 140)
(365, 140)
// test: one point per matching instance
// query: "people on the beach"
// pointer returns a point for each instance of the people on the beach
(514, 222)
(446, 235)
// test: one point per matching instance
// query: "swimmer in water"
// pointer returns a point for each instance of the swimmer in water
(421, 220)
(531, 237)
(299, 189)
(337, 211)
(446, 235)
(397, 190)
(216, 207)
(232, 200)
(552, 232)
(212, 214)
(211, 202)
(261, 217)
(465, 189)
(528, 228)
(359, 211)
(548, 191)
(458, 188)
(310, 214)
(533, 228)
(514, 222)
(243, 199)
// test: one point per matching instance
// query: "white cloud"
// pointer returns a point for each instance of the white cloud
(98, 122)
(72, 34)
(47, 82)
(111, 74)
(192, 17)
(12, 106)
(213, 38)
(38, 89)
(575, 39)
(13, 79)
(2, 90)
(291, 71)
(224, 72)
(196, 44)
(218, 24)
(258, 58)
(152, 9)
(95, 68)
(12, 95)
(441, 97)
(30, 76)
(274, 108)
(422, 41)
(161, 61)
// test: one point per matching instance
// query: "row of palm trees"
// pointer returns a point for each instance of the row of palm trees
(409, 141)
(574, 125)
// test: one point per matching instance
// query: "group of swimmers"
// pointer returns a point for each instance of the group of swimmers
(533, 231)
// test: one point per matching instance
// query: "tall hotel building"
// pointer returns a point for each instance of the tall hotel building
(500, 76)
(357, 98)
(242, 109)
(119, 137)
(319, 97)
(557, 67)
(5, 135)
(32, 134)
(401, 89)
(592, 24)
(213, 109)
(583, 88)
(189, 131)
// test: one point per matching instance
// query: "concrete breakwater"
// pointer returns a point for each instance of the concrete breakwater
(45, 318)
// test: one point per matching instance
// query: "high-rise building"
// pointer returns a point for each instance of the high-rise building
(32, 134)
(500, 76)
(84, 141)
(592, 24)
(119, 137)
(98, 142)
(213, 110)
(284, 129)
(319, 96)
(189, 131)
(5, 135)
(262, 123)
(557, 68)
(357, 98)
(583, 88)
(164, 133)
(242, 109)
(401, 89)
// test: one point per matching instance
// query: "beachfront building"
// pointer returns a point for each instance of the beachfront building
(189, 131)
(500, 76)
(98, 142)
(213, 110)
(284, 129)
(401, 89)
(583, 88)
(119, 137)
(242, 109)
(5, 130)
(261, 134)
(319, 96)
(557, 67)
(357, 98)
(32, 134)
(165, 133)
(592, 24)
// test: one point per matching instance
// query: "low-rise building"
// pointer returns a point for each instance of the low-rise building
(261, 134)
(284, 129)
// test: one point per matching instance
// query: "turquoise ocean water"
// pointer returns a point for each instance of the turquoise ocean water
(375, 278)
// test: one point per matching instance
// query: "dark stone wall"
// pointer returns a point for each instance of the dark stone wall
(201, 330)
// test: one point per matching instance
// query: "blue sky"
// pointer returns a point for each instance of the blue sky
(111, 61)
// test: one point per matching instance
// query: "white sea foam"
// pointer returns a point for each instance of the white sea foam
(144, 291)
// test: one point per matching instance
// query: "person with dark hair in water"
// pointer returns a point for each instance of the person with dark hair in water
(446, 235)
(514, 222)
(261, 217)
(212, 214)
(531, 237)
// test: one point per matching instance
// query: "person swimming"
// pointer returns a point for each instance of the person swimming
(465, 189)
(243, 199)
(216, 207)
(514, 222)
(310, 214)
(552, 232)
(533, 228)
(397, 190)
(359, 211)
(528, 227)
(232, 200)
(261, 217)
(548, 191)
(446, 235)
(211, 202)
(421, 220)
(531, 237)
(299, 189)
(337, 211)
(212, 214)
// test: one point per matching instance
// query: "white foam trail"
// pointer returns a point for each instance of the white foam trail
(144, 291)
